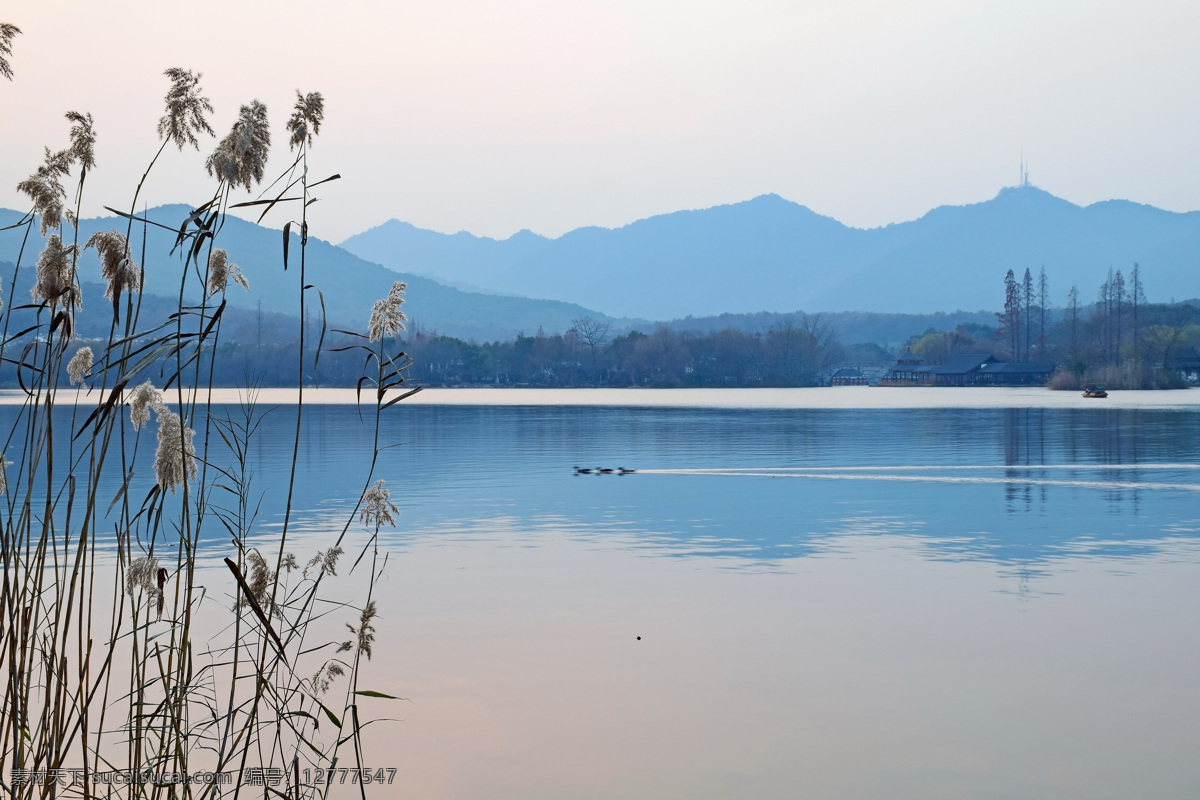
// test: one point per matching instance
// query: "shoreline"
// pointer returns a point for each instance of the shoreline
(835, 397)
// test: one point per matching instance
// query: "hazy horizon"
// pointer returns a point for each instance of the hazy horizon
(251, 215)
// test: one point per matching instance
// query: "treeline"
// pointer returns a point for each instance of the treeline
(791, 353)
(1119, 339)
(850, 326)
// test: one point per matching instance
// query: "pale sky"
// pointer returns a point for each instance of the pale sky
(496, 116)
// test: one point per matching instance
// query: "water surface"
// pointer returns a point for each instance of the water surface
(832, 603)
(841, 603)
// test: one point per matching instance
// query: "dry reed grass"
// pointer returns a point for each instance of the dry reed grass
(104, 662)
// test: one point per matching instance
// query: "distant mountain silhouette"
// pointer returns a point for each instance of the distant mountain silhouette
(349, 284)
(770, 254)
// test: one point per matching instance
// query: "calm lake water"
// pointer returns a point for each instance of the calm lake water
(867, 603)
(856, 603)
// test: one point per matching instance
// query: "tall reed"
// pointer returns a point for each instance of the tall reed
(123, 654)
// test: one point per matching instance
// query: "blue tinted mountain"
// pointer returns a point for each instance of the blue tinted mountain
(769, 254)
(349, 284)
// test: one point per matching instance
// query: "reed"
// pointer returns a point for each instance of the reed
(123, 650)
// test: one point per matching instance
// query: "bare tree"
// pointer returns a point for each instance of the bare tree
(1118, 298)
(592, 332)
(1104, 312)
(1137, 299)
(825, 337)
(794, 350)
(1162, 341)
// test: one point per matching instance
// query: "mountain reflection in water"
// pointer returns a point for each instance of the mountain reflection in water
(1008, 486)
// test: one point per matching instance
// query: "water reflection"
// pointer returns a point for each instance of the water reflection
(1013, 486)
(1021, 486)
(841, 601)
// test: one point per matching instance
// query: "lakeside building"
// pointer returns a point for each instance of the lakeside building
(908, 371)
(966, 369)
(849, 377)
(1031, 373)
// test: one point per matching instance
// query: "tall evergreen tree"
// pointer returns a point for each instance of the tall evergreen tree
(1118, 299)
(1105, 313)
(1027, 298)
(1043, 298)
(1010, 319)
(1073, 312)
(1137, 299)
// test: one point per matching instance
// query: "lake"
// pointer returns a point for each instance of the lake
(831, 603)
(778, 602)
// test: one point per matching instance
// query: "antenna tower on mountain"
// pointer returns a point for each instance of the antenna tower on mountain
(1024, 181)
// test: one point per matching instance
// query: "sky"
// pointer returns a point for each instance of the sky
(549, 115)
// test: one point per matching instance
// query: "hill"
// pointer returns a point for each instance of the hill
(770, 254)
(349, 283)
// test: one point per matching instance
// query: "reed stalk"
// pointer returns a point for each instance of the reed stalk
(122, 648)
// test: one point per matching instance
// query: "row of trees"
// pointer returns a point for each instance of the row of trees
(791, 353)
(1119, 339)
(1022, 327)
(1118, 313)
(1103, 333)
(796, 351)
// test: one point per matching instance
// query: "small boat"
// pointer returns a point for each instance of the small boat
(1094, 391)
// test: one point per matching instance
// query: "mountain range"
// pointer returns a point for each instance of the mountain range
(770, 254)
(348, 283)
(762, 255)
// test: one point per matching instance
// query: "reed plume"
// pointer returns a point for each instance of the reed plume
(175, 459)
(116, 266)
(186, 108)
(241, 157)
(56, 274)
(141, 574)
(326, 559)
(4, 465)
(83, 139)
(45, 188)
(141, 400)
(307, 114)
(80, 365)
(7, 32)
(324, 677)
(260, 580)
(365, 632)
(377, 507)
(386, 317)
(221, 271)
